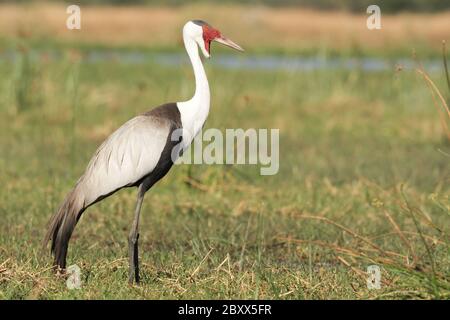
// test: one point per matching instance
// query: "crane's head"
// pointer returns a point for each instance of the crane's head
(204, 34)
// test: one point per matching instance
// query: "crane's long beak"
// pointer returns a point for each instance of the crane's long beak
(225, 41)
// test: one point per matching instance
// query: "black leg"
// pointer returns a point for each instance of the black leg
(133, 239)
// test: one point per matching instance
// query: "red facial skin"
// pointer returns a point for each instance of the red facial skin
(209, 34)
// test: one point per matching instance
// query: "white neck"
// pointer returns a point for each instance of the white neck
(195, 111)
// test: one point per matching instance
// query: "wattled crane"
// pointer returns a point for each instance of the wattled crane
(140, 152)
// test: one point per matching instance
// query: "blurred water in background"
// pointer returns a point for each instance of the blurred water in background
(242, 62)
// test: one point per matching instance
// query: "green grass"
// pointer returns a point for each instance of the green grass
(355, 149)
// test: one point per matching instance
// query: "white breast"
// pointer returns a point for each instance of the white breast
(193, 116)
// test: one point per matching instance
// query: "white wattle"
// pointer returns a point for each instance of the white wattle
(194, 111)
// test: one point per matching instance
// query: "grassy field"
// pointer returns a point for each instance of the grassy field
(364, 179)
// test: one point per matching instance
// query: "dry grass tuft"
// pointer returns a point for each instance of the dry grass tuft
(420, 266)
(438, 98)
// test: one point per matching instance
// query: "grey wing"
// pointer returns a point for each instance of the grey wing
(125, 157)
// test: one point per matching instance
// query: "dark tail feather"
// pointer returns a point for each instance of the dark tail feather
(61, 226)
